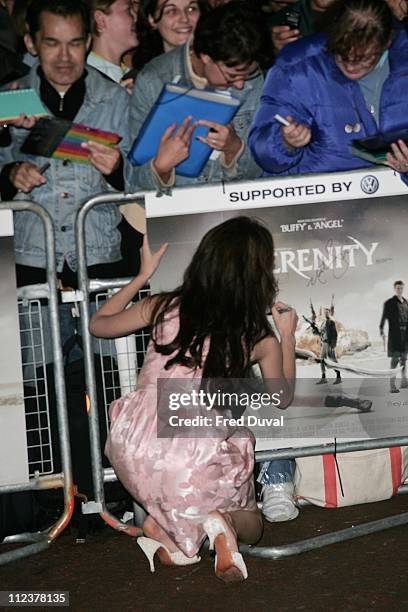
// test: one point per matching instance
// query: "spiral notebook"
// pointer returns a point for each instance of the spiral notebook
(173, 105)
(13, 102)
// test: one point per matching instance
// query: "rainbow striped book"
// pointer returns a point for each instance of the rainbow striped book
(70, 146)
(62, 139)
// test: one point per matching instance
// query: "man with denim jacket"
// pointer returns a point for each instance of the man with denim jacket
(59, 36)
(228, 48)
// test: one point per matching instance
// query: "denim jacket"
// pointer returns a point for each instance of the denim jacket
(171, 67)
(69, 184)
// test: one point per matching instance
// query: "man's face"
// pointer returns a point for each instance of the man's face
(399, 290)
(61, 46)
(222, 76)
(327, 313)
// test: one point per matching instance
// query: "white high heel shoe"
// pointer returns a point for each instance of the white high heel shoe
(229, 565)
(150, 547)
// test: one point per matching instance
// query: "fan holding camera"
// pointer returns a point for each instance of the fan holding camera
(293, 19)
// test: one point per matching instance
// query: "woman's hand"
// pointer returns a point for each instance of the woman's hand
(296, 135)
(174, 148)
(398, 159)
(285, 318)
(149, 261)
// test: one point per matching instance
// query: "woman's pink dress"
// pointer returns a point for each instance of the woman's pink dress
(179, 480)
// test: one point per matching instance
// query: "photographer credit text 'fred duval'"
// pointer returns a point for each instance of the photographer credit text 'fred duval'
(223, 402)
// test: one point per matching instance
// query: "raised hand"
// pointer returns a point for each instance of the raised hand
(174, 147)
(149, 261)
(285, 318)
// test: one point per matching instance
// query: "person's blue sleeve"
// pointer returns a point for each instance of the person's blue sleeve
(282, 94)
(404, 178)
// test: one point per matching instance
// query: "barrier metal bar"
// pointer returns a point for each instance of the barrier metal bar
(83, 282)
(279, 552)
(326, 449)
(47, 537)
(286, 453)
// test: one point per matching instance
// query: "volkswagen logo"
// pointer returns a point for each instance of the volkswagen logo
(369, 184)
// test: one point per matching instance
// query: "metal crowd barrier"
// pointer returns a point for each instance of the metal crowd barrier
(100, 475)
(119, 353)
(39, 448)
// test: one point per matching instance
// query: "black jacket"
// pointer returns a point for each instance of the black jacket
(396, 343)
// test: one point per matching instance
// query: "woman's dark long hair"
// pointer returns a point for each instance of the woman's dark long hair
(227, 290)
(150, 42)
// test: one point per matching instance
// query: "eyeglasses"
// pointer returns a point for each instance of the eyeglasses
(361, 60)
(231, 79)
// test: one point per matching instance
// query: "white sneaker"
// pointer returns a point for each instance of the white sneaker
(277, 502)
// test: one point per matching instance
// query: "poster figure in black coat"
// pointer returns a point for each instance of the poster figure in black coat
(396, 313)
(328, 342)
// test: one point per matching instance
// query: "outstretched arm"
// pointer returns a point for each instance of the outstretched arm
(114, 319)
(277, 359)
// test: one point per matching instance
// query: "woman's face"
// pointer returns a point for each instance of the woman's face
(359, 62)
(177, 21)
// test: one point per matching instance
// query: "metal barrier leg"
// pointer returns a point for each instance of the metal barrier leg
(99, 505)
(45, 538)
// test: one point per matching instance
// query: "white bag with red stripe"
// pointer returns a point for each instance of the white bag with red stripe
(351, 478)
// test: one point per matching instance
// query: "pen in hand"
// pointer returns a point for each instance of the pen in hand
(281, 120)
(44, 167)
(41, 170)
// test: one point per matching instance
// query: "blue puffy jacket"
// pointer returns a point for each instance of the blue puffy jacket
(311, 89)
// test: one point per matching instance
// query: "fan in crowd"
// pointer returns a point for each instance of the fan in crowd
(296, 19)
(351, 83)
(227, 51)
(164, 25)
(114, 34)
(58, 34)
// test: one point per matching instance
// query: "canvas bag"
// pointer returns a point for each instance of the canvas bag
(366, 476)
